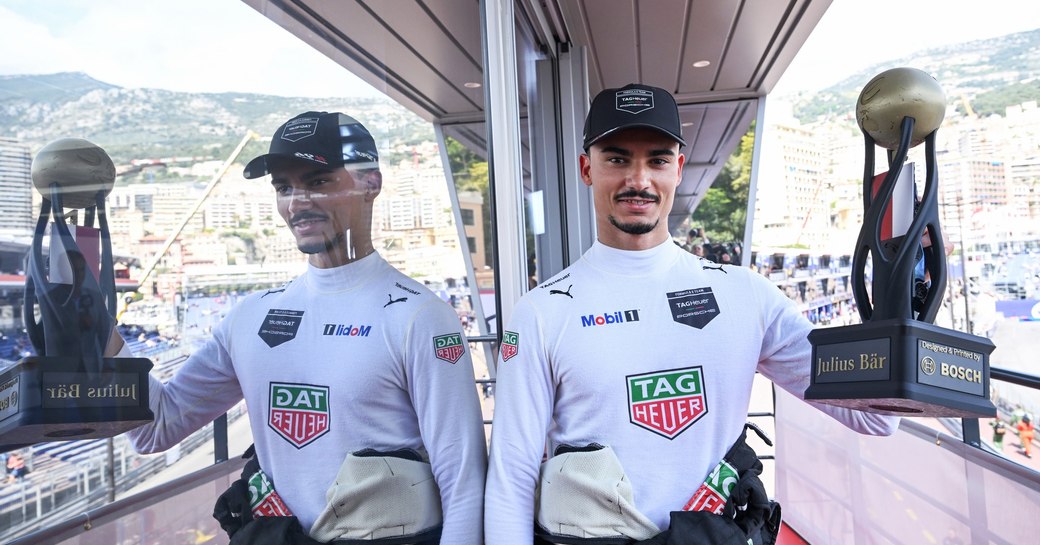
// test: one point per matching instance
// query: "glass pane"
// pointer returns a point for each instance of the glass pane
(716, 227)
(181, 99)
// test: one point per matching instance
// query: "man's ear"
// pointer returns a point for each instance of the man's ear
(585, 167)
(373, 184)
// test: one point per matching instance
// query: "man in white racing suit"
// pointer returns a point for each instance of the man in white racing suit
(350, 357)
(638, 347)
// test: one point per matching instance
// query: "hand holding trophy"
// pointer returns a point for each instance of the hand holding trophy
(896, 362)
(70, 390)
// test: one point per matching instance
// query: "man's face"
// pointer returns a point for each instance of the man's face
(328, 210)
(633, 175)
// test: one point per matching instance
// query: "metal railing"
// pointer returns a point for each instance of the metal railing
(88, 516)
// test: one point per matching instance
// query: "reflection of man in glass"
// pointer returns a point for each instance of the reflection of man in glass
(639, 381)
(331, 374)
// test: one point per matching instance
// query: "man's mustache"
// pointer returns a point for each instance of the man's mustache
(641, 194)
(304, 216)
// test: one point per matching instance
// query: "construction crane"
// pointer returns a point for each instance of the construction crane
(967, 106)
(147, 271)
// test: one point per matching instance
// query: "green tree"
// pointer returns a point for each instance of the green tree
(997, 100)
(723, 211)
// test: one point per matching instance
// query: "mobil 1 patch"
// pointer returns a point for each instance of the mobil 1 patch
(693, 307)
(280, 326)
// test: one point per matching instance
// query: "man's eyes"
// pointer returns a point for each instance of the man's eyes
(656, 161)
(287, 189)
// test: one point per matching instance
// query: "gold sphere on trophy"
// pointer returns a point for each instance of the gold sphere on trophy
(78, 166)
(895, 94)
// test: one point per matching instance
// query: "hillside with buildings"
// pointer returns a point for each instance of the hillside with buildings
(982, 77)
(135, 125)
(168, 146)
(812, 164)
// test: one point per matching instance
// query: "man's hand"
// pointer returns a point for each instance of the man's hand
(115, 344)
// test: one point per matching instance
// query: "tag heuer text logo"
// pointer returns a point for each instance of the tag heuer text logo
(448, 347)
(298, 129)
(634, 101)
(666, 402)
(299, 412)
(510, 345)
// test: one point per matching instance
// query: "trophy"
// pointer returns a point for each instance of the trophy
(70, 390)
(897, 362)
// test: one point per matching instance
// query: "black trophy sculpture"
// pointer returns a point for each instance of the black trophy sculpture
(897, 362)
(70, 390)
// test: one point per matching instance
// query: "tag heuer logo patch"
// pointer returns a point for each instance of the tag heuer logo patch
(280, 326)
(299, 412)
(667, 402)
(263, 500)
(449, 347)
(634, 101)
(301, 128)
(693, 307)
(510, 345)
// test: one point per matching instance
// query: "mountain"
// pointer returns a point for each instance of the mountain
(53, 87)
(129, 124)
(988, 74)
(153, 123)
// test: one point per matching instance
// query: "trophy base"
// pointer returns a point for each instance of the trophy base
(901, 367)
(56, 399)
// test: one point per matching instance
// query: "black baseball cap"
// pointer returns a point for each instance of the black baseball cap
(329, 139)
(631, 106)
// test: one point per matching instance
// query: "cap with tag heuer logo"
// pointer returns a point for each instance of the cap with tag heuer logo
(630, 107)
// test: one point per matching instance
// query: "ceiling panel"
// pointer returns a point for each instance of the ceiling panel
(612, 27)
(660, 42)
(713, 22)
(757, 25)
(422, 52)
(390, 40)
(426, 38)
(461, 18)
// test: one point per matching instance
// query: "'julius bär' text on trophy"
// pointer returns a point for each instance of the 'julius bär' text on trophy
(897, 362)
(70, 390)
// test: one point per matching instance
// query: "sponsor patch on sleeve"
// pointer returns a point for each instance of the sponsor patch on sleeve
(510, 345)
(449, 347)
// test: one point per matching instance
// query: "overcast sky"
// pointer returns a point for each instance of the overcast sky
(179, 45)
(225, 45)
(855, 34)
